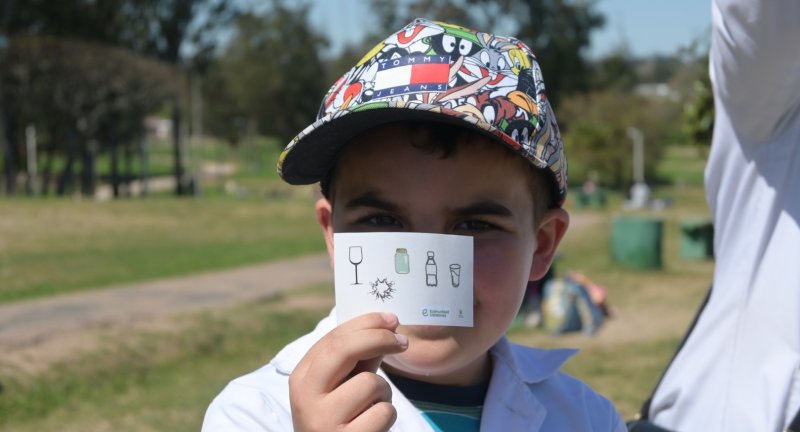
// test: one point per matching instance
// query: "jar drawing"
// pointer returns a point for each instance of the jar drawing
(401, 261)
(430, 271)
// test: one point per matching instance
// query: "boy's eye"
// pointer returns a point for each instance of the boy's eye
(382, 220)
(474, 225)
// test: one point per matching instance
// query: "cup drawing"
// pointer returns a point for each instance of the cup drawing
(356, 256)
(455, 275)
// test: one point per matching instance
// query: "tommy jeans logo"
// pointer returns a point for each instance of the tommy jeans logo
(412, 74)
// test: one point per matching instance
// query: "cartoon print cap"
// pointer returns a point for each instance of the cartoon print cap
(439, 72)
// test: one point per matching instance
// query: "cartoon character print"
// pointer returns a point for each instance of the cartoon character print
(457, 42)
(493, 61)
(500, 92)
(356, 86)
(342, 95)
(414, 38)
(507, 89)
(520, 60)
(492, 81)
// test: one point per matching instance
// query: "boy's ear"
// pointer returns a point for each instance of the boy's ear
(548, 236)
(324, 211)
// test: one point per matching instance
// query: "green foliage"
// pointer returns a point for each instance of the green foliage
(270, 79)
(558, 31)
(615, 71)
(86, 73)
(698, 113)
(595, 134)
(155, 28)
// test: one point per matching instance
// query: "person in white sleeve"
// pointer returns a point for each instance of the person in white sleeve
(739, 369)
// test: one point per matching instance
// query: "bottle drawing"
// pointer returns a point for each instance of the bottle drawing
(430, 271)
(402, 264)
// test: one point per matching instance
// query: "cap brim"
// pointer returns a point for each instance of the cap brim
(312, 156)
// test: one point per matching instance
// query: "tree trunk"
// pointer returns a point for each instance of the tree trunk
(177, 149)
(113, 145)
(47, 171)
(127, 177)
(10, 160)
(66, 177)
(89, 169)
(144, 164)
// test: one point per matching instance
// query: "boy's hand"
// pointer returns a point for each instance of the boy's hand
(335, 387)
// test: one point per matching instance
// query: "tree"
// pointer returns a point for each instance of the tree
(558, 31)
(596, 133)
(698, 113)
(615, 71)
(164, 29)
(272, 74)
(90, 96)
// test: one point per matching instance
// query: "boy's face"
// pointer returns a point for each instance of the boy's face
(383, 183)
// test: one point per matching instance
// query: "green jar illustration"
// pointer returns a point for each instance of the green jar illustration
(401, 261)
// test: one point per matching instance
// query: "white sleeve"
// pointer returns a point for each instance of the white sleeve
(242, 407)
(755, 64)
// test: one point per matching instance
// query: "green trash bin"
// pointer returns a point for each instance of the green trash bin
(636, 241)
(579, 197)
(597, 199)
(697, 239)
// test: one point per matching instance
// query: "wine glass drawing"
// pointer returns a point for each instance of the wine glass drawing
(356, 256)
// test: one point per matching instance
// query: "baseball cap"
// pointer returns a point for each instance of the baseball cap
(434, 71)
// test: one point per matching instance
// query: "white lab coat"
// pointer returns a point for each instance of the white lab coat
(527, 393)
(740, 368)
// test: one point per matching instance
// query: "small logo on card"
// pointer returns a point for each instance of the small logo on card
(436, 313)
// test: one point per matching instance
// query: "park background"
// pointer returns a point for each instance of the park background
(139, 141)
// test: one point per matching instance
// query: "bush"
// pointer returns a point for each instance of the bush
(595, 127)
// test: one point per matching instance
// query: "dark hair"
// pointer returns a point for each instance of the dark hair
(442, 138)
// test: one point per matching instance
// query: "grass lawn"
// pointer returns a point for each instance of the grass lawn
(157, 380)
(50, 246)
(164, 378)
(57, 246)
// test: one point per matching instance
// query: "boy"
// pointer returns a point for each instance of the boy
(438, 129)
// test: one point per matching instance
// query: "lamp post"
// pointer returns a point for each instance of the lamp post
(640, 192)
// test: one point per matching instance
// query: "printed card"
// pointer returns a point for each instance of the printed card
(425, 279)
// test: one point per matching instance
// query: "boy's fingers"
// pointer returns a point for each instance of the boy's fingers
(336, 376)
(339, 355)
(359, 393)
(371, 320)
(378, 417)
(369, 365)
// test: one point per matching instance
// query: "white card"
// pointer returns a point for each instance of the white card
(422, 278)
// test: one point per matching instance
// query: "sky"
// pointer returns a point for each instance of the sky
(644, 27)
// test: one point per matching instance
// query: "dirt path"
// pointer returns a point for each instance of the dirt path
(34, 333)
